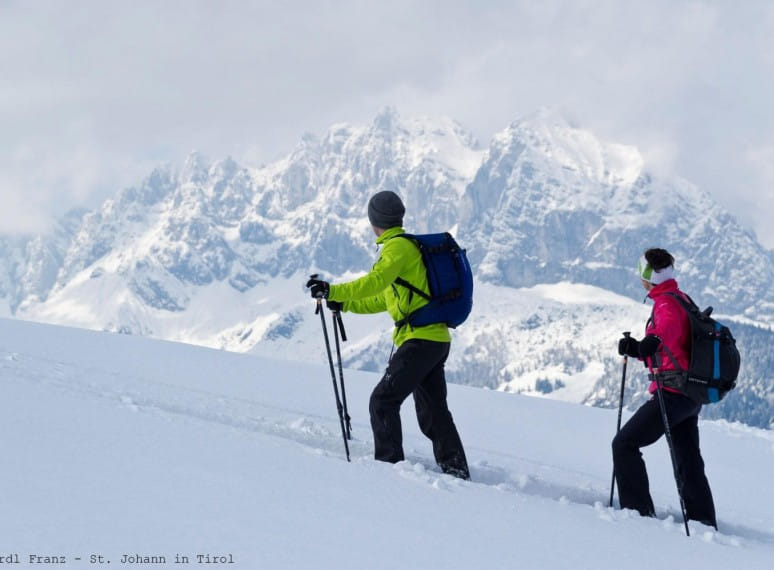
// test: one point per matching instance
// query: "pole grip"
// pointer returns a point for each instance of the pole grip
(627, 335)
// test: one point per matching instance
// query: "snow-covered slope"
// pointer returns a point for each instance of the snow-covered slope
(553, 220)
(117, 445)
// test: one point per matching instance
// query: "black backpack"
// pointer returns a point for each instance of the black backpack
(714, 357)
(449, 278)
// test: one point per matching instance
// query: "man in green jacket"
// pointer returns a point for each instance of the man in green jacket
(417, 366)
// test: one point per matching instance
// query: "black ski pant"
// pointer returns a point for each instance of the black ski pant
(417, 368)
(645, 427)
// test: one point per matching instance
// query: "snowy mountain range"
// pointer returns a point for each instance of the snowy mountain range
(553, 219)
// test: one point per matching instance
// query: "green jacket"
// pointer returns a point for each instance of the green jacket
(375, 292)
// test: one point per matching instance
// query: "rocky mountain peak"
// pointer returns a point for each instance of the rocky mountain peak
(198, 252)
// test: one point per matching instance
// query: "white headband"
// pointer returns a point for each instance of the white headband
(646, 272)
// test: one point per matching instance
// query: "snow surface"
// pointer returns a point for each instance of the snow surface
(119, 445)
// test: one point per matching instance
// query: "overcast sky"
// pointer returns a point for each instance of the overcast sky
(94, 94)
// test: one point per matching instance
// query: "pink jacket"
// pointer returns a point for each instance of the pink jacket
(670, 323)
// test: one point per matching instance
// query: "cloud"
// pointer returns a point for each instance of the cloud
(758, 206)
(92, 93)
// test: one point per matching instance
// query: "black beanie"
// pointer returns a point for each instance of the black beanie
(385, 210)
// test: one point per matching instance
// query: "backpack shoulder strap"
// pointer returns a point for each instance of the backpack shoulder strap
(690, 307)
(672, 357)
(684, 300)
(402, 282)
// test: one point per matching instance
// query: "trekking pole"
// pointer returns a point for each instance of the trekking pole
(338, 325)
(668, 434)
(620, 409)
(333, 374)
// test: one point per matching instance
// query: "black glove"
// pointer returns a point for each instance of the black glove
(629, 346)
(649, 345)
(318, 287)
(334, 305)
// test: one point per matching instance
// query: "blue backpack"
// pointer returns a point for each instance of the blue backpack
(450, 280)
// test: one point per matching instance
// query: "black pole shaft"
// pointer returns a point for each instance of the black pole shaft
(620, 410)
(339, 325)
(333, 376)
(668, 434)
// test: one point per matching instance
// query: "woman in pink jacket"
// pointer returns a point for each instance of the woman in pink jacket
(668, 327)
